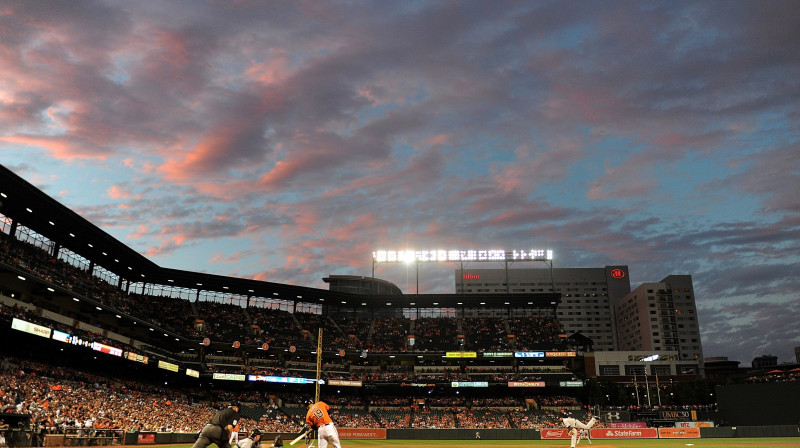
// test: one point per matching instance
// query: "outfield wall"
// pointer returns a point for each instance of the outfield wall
(469, 434)
(759, 404)
(164, 438)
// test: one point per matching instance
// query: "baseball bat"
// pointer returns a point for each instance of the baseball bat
(299, 437)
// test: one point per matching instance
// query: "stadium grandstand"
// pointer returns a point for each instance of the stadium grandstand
(99, 341)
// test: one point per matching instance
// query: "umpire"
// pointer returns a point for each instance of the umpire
(218, 430)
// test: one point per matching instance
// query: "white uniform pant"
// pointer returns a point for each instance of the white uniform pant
(583, 434)
(327, 434)
(573, 424)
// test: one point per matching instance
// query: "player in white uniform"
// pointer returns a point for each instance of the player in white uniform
(251, 441)
(574, 425)
(585, 433)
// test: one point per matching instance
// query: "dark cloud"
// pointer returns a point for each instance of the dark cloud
(662, 136)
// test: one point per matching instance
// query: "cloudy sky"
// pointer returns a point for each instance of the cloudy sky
(286, 140)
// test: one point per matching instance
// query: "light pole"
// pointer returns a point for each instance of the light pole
(647, 384)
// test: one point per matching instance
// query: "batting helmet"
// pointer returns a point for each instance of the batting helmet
(309, 402)
(254, 433)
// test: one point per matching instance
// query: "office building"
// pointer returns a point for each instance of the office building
(660, 317)
(587, 294)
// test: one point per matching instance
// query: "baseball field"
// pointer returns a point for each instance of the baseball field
(776, 442)
(639, 443)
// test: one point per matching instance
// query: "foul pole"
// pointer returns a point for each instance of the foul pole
(319, 364)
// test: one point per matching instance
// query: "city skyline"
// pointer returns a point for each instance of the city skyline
(288, 141)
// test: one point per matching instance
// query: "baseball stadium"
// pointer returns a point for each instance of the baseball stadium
(103, 347)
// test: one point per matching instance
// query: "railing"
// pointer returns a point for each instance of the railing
(86, 437)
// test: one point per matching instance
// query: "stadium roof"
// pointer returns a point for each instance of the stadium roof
(30, 207)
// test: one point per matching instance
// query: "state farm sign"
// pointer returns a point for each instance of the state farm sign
(638, 433)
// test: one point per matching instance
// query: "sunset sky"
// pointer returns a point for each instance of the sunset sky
(286, 140)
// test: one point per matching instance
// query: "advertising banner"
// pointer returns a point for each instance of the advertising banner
(469, 384)
(529, 354)
(679, 433)
(614, 416)
(627, 425)
(29, 327)
(526, 384)
(349, 383)
(229, 376)
(694, 424)
(361, 433)
(628, 433)
(675, 415)
(461, 354)
(570, 354)
(167, 366)
(146, 437)
(555, 433)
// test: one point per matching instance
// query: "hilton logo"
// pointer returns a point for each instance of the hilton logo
(470, 276)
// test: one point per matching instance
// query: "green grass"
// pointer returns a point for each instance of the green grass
(639, 443)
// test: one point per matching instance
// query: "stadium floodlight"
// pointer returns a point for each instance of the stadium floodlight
(437, 255)
(460, 256)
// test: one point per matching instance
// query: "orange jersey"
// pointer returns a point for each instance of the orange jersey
(318, 414)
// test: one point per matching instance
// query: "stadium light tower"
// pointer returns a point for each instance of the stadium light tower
(464, 256)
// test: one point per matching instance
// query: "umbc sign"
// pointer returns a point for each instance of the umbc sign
(675, 415)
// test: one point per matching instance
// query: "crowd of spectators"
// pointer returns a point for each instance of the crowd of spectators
(776, 375)
(488, 334)
(261, 324)
(60, 399)
(481, 418)
(233, 361)
(436, 334)
(534, 332)
(433, 419)
(353, 418)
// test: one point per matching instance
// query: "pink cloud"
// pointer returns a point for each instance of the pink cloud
(611, 187)
(305, 220)
(441, 139)
(117, 192)
(592, 104)
(141, 232)
(64, 148)
(273, 71)
(167, 246)
(530, 168)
